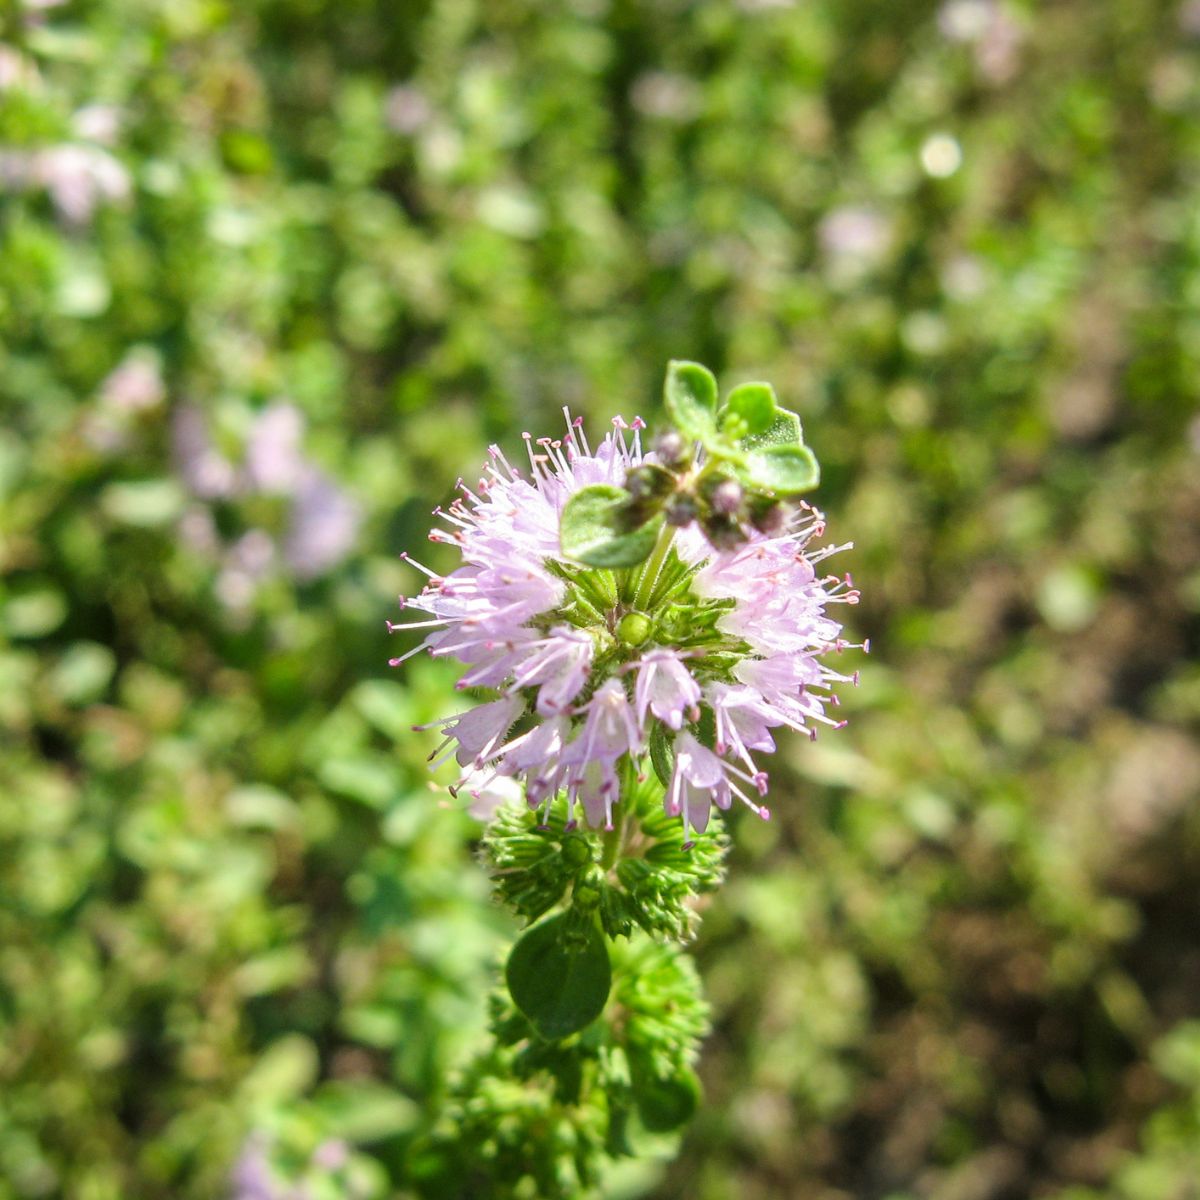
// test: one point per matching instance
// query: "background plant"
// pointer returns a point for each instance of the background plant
(961, 242)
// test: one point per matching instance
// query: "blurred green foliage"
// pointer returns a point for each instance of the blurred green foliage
(963, 242)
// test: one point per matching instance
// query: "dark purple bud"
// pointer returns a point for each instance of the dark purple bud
(768, 517)
(648, 482)
(671, 447)
(724, 532)
(681, 510)
(726, 497)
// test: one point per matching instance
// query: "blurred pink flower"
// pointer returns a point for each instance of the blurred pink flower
(78, 177)
(406, 109)
(990, 28)
(322, 521)
(853, 239)
(324, 526)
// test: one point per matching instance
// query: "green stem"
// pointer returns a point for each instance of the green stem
(612, 840)
(652, 567)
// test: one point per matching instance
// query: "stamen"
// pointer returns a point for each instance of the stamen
(408, 558)
(395, 662)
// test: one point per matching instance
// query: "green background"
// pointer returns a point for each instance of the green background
(963, 961)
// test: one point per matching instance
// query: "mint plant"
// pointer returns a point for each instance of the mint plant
(635, 624)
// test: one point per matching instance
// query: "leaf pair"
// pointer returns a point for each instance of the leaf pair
(762, 443)
(751, 445)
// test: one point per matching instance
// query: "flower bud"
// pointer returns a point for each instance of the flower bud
(671, 447)
(681, 510)
(633, 628)
(576, 851)
(648, 481)
(726, 497)
(768, 516)
(723, 532)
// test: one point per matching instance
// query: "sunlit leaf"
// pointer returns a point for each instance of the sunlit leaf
(595, 529)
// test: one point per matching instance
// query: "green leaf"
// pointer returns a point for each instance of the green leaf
(666, 1104)
(149, 503)
(287, 1068)
(784, 430)
(595, 529)
(690, 395)
(363, 1111)
(83, 673)
(754, 405)
(785, 470)
(559, 975)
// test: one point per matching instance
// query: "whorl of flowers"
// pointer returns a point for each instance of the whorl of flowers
(658, 606)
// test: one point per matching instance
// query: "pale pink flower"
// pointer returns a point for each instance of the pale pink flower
(406, 109)
(203, 468)
(16, 70)
(100, 123)
(134, 385)
(481, 729)
(486, 791)
(560, 663)
(699, 778)
(853, 239)
(666, 689)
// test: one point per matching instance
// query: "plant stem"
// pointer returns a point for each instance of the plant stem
(652, 566)
(612, 840)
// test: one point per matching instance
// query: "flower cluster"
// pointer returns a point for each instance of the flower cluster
(688, 661)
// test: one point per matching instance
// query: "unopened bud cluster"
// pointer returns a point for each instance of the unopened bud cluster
(679, 483)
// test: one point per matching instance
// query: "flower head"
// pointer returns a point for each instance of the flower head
(688, 660)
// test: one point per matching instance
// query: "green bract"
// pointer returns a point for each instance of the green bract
(662, 756)
(536, 865)
(596, 529)
(784, 470)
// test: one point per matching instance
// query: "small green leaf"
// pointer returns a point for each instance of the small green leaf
(559, 975)
(784, 430)
(595, 529)
(666, 1104)
(754, 404)
(785, 470)
(690, 395)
